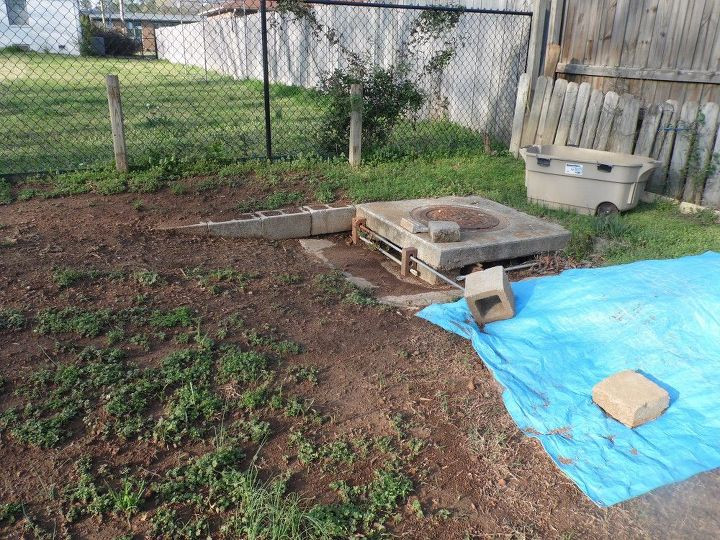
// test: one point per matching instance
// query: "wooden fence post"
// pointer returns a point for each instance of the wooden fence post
(116, 122)
(356, 107)
(536, 46)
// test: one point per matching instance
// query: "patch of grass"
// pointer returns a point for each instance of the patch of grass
(243, 366)
(188, 413)
(10, 512)
(177, 317)
(67, 277)
(334, 286)
(11, 319)
(278, 199)
(306, 373)
(147, 278)
(5, 192)
(212, 280)
(84, 323)
(273, 343)
(289, 279)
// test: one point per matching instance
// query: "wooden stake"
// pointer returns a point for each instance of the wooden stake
(116, 122)
(356, 106)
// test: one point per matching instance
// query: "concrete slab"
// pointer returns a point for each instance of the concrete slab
(507, 234)
(245, 226)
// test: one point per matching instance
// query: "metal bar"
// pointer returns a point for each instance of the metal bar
(438, 274)
(266, 78)
(421, 8)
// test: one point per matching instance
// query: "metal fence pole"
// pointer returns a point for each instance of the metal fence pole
(266, 78)
(116, 122)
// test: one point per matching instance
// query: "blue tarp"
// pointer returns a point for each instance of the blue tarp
(661, 318)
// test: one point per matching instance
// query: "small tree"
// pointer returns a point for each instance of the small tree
(86, 35)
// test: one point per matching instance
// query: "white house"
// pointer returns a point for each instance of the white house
(40, 25)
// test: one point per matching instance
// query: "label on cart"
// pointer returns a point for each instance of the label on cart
(574, 168)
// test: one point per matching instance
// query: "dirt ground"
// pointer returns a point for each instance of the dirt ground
(476, 476)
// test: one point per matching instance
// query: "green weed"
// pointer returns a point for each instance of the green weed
(11, 319)
(10, 512)
(67, 277)
(306, 373)
(243, 366)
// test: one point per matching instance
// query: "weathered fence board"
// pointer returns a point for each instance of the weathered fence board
(624, 129)
(699, 160)
(711, 194)
(521, 105)
(554, 109)
(566, 115)
(544, 111)
(591, 118)
(681, 150)
(531, 124)
(578, 118)
(648, 131)
(607, 116)
(664, 142)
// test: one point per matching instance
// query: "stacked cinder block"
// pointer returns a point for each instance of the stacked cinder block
(299, 222)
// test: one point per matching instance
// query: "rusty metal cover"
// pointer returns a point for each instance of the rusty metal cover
(466, 217)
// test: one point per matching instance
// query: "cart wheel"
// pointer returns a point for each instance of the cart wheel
(606, 208)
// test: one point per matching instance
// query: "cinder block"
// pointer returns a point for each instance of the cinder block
(489, 296)
(630, 398)
(444, 231)
(196, 228)
(286, 223)
(244, 226)
(330, 218)
(413, 226)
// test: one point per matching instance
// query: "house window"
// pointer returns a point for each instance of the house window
(17, 12)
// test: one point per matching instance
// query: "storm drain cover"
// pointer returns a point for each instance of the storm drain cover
(465, 216)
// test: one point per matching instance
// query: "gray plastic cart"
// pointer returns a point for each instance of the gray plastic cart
(583, 180)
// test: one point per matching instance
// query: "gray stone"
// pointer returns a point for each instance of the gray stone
(489, 296)
(444, 231)
(413, 226)
(330, 218)
(630, 398)
(518, 236)
(245, 226)
(287, 223)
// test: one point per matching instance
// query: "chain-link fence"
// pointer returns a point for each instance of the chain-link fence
(233, 79)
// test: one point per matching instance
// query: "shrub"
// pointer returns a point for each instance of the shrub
(388, 95)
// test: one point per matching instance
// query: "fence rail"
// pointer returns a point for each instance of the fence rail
(213, 80)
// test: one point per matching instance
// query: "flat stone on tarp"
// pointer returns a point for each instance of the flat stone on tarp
(631, 398)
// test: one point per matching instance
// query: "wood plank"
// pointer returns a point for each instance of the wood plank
(536, 46)
(533, 119)
(566, 44)
(626, 72)
(566, 115)
(607, 18)
(664, 142)
(554, 109)
(578, 117)
(681, 151)
(634, 14)
(521, 106)
(624, 127)
(607, 117)
(711, 193)
(691, 31)
(645, 34)
(552, 56)
(659, 35)
(675, 34)
(706, 35)
(617, 34)
(592, 118)
(648, 131)
(557, 8)
(699, 162)
(544, 111)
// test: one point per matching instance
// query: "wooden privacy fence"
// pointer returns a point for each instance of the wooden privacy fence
(684, 138)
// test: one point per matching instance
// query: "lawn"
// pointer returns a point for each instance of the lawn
(55, 115)
(160, 385)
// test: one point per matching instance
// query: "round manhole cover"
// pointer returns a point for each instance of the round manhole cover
(465, 216)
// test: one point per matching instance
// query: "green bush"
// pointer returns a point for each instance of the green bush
(388, 95)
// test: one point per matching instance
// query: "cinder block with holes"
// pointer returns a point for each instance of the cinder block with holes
(244, 226)
(285, 223)
(489, 296)
(330, 218)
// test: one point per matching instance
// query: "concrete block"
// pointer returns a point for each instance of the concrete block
(244, 226)
(286, 223)
(330, 218)
(489, 296)
(196, 228)
(630, 398)
(413, 226)
(444, 231)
